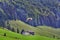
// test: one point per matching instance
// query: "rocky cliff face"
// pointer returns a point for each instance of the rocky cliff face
(42, 12)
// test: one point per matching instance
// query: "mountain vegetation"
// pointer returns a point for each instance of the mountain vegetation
(39, 16)
(14, 36)
(42, 12)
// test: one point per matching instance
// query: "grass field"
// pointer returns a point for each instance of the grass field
(14, 36)
(40, 30)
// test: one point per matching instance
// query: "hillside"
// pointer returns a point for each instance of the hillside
(14, 36)
(42, 17)
(42, 12)
(40, 30)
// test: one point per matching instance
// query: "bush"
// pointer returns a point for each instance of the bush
(4, 34)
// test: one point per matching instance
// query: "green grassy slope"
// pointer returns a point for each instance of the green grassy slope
(49, 31)
(40, 30)
(21, 25)
(14, 36)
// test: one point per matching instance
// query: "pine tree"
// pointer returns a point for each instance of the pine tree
(4, 34)
(17, 30)
(8, 27)
(13, 29)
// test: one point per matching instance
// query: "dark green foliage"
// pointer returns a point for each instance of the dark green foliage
(2, 23)
(8, 27)
(17, 30)
(13, 29)
(54, 36)
(4, 34)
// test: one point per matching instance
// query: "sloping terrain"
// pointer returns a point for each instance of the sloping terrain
(40, 30)
(49, 31)
(14, 36)
(42, 12)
